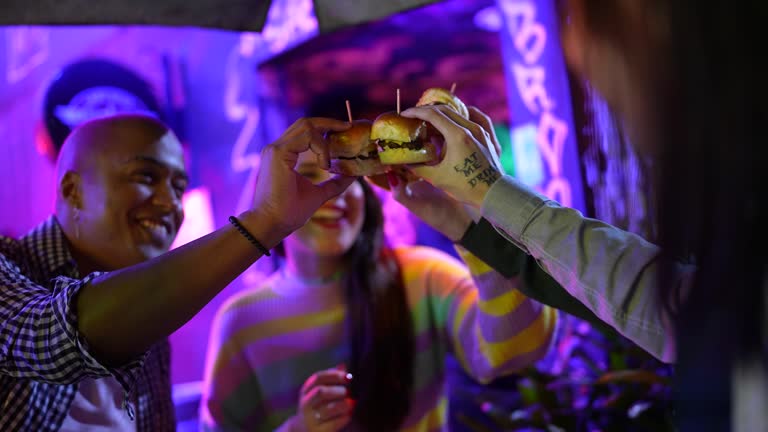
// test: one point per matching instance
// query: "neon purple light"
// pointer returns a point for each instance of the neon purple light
(540, 99)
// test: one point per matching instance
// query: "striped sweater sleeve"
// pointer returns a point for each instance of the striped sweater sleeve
(231, 394)
(493, 329)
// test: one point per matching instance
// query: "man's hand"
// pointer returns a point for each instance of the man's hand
(285, 200)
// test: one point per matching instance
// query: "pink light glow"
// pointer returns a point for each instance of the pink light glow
(398, 227)
(198, 216)
(27, 49)
(529, 37)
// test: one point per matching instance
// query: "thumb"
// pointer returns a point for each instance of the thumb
(334, 186)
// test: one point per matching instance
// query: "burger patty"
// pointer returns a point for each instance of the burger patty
(370, 155)
(413, 145)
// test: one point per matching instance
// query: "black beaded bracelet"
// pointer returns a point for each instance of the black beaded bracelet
(236, 223)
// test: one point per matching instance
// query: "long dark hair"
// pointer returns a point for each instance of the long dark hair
(711, 168)
(711, 200)
(711, 125)
(379, 327)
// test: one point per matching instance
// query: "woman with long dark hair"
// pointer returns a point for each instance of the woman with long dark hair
(683, 77)
(349, 333)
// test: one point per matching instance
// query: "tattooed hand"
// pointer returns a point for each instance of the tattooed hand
(470, 162)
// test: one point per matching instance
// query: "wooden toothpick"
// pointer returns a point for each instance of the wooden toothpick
(349, 112)
(453, 88)
(398, 101)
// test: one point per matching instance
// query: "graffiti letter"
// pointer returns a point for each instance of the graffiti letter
(530, 84)
(551, 140)
(559, 189)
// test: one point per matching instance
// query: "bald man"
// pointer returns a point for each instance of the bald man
(89, 297)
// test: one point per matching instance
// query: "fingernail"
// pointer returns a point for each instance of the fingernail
(348, 376)
(392, 179)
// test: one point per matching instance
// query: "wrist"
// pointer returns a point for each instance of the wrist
(481, 189)
(290, 425)
(473, 188)
(472, 198)
(460, 226)
(484, 188)
(269, 231)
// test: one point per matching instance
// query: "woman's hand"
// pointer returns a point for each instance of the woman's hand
(433, 206)
(323, 402)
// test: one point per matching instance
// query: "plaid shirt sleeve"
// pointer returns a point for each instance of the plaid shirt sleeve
(39, 337)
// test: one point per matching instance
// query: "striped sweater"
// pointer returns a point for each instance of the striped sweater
(267, 341)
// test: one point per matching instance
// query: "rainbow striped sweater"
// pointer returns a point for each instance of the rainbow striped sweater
(267, 341)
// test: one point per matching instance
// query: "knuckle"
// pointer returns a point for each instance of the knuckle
(269, 149)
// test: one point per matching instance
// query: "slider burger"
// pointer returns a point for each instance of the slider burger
(441, 96)
(402, 140)
(352, 151)
(365, 148)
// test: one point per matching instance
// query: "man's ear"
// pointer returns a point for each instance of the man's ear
(71, 189)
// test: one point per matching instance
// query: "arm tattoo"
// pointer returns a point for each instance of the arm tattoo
(487, 176)
(471, 165)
